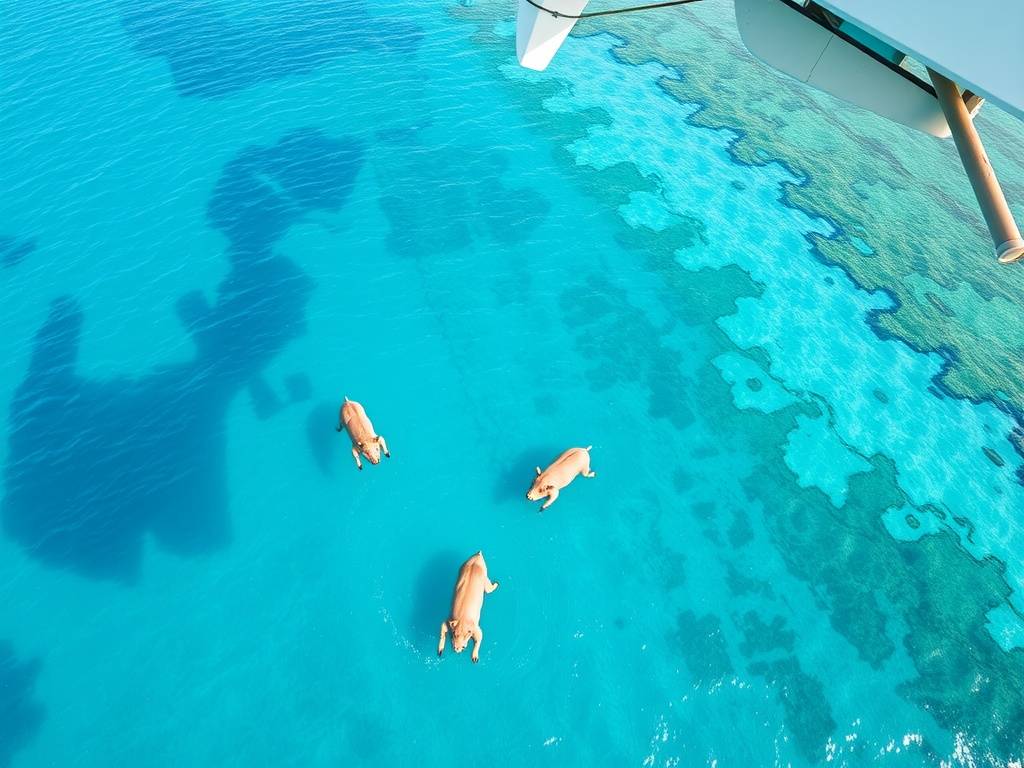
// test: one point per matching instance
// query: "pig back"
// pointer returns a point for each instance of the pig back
(468, 597)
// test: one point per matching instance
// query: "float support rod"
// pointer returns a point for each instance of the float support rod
(1005, 235)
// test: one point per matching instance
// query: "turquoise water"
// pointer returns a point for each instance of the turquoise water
(218, 220)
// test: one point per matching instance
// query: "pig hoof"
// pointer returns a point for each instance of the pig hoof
(439, 654)
(387, 454)
(476, 659)
(337, 429)
(360, 469)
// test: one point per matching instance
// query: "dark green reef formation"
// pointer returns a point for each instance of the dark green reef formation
(913, 231)
(907, 224)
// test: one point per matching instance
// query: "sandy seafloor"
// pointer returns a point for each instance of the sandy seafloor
(775, 317)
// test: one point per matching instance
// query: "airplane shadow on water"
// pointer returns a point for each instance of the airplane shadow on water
(20, 716)
(94, 465)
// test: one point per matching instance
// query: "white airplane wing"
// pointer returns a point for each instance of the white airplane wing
(540, 34)
(977, 44)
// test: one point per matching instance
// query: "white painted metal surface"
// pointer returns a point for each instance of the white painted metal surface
(789, 41)
(539, 35)
(975, 43)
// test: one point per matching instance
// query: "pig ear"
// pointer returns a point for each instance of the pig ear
(538, 470)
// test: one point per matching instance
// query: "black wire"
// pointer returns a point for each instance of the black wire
(557, 14)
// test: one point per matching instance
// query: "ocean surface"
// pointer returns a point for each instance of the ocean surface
(218, 219)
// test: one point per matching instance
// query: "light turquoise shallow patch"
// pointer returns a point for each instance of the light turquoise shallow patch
(647, 210)
(820, 460)
(767, 395)
(862, 246)
(897, 523)
(1007, 627)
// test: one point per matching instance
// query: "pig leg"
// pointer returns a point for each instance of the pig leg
(552, 495)
(355, 455)
(491, 587)
(444, 635)
(383, 445)
(478, 637)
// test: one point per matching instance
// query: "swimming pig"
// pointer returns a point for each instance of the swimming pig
(468, 599)
(563, 470)
(353, 418)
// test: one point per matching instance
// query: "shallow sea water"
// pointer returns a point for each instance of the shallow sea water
(219, 219)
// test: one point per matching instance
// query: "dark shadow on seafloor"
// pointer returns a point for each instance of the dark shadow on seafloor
(93, 465)
(213, 52)
(20, 716)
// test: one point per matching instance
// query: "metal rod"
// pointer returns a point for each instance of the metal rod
(1005, 235)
